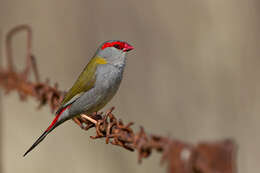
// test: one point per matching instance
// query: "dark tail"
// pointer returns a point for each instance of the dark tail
(37, 142)
(55, 123)
(40, 139)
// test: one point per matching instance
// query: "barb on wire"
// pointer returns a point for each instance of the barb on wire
(12, 80)
(181, 157)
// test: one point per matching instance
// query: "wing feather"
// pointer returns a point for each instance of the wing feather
(84, 83)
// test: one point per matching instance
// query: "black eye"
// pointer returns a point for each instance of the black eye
(117, 46)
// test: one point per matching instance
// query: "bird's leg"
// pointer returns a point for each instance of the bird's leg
(78, 122)
(87, 121)
(89, 118)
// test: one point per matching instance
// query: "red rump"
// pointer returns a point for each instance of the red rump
(56, 118)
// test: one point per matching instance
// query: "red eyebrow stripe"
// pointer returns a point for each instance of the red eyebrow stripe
(121, 44)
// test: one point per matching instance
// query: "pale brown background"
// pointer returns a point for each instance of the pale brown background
(194, 75)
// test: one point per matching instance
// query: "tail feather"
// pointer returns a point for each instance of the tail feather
(36, 142)
(40, 139)
(56, 122)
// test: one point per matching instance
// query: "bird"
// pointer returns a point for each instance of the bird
(95, 86)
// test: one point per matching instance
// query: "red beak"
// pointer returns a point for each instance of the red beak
(127, 47)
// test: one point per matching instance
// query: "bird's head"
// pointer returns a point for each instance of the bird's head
(114, 52)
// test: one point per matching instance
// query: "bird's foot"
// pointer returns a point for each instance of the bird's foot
(79, 122)
(86, 122)
(87, 119)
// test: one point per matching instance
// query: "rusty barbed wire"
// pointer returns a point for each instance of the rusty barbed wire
(181, 157)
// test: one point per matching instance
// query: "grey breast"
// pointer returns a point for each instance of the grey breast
(108, 79)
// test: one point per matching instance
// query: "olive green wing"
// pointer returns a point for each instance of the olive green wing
(84, 83)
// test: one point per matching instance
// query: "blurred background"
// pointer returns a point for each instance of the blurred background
(194, 75)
